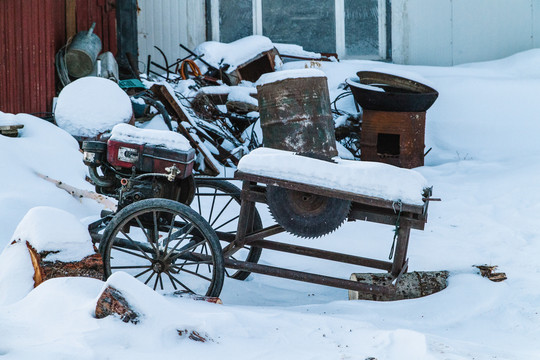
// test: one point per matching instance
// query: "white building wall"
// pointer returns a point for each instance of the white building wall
(166, 24)
(451, 32)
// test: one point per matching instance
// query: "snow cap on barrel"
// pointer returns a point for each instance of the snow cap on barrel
(288, 74)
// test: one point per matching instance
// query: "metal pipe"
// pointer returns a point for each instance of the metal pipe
(98, 179)
(323, 254)
(309, 277)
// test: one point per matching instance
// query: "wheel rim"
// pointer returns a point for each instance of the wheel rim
(165, 245)
(218, 202)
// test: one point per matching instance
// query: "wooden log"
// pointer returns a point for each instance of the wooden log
(79, 194)
(488, 271)
(194, 335)
(112, 302)
(410, 286)
(10, 130)
(90, 266)
(177, 110)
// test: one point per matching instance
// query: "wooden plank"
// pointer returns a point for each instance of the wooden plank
(71, 18)
(3, 59)
(49, 23)
(319, 190)
(176, 110)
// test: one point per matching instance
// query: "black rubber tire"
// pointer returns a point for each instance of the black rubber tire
(306, 215)
(149, 215)
(226, 188)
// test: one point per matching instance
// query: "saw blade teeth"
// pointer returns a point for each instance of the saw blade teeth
(306, 215)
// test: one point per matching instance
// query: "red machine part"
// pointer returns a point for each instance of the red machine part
(149, 158)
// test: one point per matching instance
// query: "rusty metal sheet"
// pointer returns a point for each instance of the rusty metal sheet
(27, 31)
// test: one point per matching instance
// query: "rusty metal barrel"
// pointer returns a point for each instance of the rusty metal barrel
(82, 52)
(294, 107)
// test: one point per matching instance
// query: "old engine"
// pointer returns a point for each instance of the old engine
(136, 164)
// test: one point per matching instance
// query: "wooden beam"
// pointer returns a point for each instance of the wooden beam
(71, 18)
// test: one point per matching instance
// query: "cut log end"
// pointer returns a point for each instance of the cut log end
(410, 286)
(90, 266)
(111, 302)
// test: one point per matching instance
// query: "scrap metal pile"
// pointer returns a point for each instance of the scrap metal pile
(209, 96)
(212, 96)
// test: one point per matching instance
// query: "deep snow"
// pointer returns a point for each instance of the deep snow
(484, 165)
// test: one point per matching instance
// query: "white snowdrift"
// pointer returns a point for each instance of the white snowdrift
(49, 229)
(165, 138)
(233, 54)
(46, 149)
(90, 106)
(485, 166)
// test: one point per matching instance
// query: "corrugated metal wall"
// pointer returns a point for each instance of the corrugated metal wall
(31, 32)
(27, 48)
(166, 24)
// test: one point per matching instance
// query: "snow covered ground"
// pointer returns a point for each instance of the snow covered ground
(485, 165)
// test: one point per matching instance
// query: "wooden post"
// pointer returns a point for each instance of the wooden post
(71, 18)
(400, 254)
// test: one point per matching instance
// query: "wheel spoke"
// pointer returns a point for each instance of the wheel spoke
(146, 234)
(171, 279)
(136, 244)
(198, 262)
(161, 282)
(222, 225)
(169, 234)
(131, 267)
(142, 273)
(212, 207)
(196, 274)
(155, 283)
(183, 250)
(151, 275)
(221, 212)
(131, 253)
(182, 284)
(179, 242)
(199, 203)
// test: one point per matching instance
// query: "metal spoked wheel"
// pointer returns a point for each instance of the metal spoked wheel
(218, 202)
(166, 245)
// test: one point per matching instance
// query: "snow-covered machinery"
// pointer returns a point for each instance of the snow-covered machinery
(136, 164)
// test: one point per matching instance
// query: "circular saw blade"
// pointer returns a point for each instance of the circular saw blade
(305, 214)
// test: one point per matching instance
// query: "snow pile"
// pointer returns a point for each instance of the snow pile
(44, 229)
(131, 134)
(484, 165)
(288, 74)
(295, 50)
(46, 149)
(90, 106)
(49, 229)
(233, 54)
(361, 177)
(16, 273)
(7, 119)
(242, 94)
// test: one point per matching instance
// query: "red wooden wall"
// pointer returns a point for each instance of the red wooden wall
(31, 32)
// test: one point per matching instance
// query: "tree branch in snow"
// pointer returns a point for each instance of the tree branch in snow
(79, 193)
